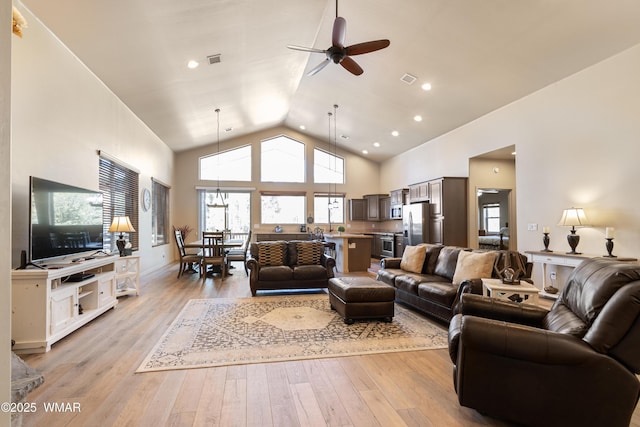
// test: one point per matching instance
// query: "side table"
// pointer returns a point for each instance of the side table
(496, 289)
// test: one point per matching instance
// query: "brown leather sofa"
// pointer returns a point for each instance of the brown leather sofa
(572, 365)
(432, 291)
(289, 265)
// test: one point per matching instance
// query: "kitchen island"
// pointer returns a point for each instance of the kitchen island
(353, 251)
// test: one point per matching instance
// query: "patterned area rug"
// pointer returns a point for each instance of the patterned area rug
(219, 332)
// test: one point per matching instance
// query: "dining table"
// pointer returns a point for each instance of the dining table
(226, 244)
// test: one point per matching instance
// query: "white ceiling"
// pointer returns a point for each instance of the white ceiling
(478, 56)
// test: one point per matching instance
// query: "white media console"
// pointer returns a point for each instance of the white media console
(46, 306)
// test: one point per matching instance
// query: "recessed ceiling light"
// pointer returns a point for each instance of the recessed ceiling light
(395, 133)
(513, 154)
(303, 127)
(365, 152)
(426, 86)
(376, 144)
(192, 64)
(417, 118)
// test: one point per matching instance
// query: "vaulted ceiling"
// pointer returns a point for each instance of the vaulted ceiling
(477, 55)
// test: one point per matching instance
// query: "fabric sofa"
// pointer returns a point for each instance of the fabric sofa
(435, 286)
(289, 265)
(572, 365)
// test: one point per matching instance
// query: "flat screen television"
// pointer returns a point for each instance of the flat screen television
(64, 220)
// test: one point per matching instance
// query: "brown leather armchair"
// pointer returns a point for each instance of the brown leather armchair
(574, 364)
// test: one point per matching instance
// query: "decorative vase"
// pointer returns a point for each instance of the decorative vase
(545, 241)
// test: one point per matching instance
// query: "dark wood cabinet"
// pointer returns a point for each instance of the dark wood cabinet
(373, 206)
(399, 247)
(419, 192)
(397, 196)
(376, 247)
(447, 199)
(357, 209)
(448, 217)
(385, 208)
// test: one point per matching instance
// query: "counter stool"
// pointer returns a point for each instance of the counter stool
(361, 298)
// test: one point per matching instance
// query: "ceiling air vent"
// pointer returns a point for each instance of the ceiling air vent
(214, 59)
(408, 78)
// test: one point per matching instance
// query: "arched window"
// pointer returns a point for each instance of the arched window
(282, 160)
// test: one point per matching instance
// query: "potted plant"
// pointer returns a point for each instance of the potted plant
(340, 229)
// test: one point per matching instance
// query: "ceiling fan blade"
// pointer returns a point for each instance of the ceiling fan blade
(351, 66)
(366, 47)
(306, 49)
(319, 67)
(339, 30)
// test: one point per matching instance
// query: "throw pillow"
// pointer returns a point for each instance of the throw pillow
(473, 265)
(413, 258)
(309, 253)
(271, 253)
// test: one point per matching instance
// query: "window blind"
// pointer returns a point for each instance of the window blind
(119, 186)
(160, 213)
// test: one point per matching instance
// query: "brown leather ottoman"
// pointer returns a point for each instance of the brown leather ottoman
(361, 298)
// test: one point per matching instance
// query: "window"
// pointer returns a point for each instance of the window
(323, 214)
(236, 217)
(327, 168)
(119, 186)
(282, 160)
(491, 217)
(283, 208)
(232, 165)
(159, 213)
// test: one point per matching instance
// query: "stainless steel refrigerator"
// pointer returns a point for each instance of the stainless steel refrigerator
(415, 224)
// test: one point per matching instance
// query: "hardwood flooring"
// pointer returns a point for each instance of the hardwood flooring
(95, 366)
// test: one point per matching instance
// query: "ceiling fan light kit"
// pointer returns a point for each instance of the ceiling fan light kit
(338, 53)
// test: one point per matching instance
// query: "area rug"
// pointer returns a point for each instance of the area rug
(219, 332)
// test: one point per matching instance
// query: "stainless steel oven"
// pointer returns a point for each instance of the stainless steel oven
(387, 245)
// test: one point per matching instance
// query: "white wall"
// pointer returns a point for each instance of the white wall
(62, 114)
(361, 177)
(5, 207)
(577, 144)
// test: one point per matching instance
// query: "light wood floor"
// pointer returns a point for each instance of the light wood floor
(95, 367)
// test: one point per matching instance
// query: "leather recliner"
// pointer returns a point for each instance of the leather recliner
(572, 365)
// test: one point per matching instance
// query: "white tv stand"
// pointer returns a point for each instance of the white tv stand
(46, 307)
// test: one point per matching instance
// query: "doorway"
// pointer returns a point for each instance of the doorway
(492, 200)
(235, 217)
(493, 218)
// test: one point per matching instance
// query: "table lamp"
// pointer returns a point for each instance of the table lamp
(573, 217)
(121, 224)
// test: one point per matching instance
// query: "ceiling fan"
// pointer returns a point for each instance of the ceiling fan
(338, 53)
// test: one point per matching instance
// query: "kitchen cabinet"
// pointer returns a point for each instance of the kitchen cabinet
(373, 206)
(419, 192)
(357, 209)
(397, 199)
(385, 208)
(448, 216)
(398, 196)
(376, 246)
(399, 246)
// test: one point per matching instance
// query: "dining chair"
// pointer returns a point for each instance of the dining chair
(186, 259)
(239, 254)
(212, 254)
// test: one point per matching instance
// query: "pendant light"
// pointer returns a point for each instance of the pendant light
(219, 201)
(335, 204)
(329, 206)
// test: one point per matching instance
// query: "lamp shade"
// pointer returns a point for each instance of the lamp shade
(574, 217)
(121, 224)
